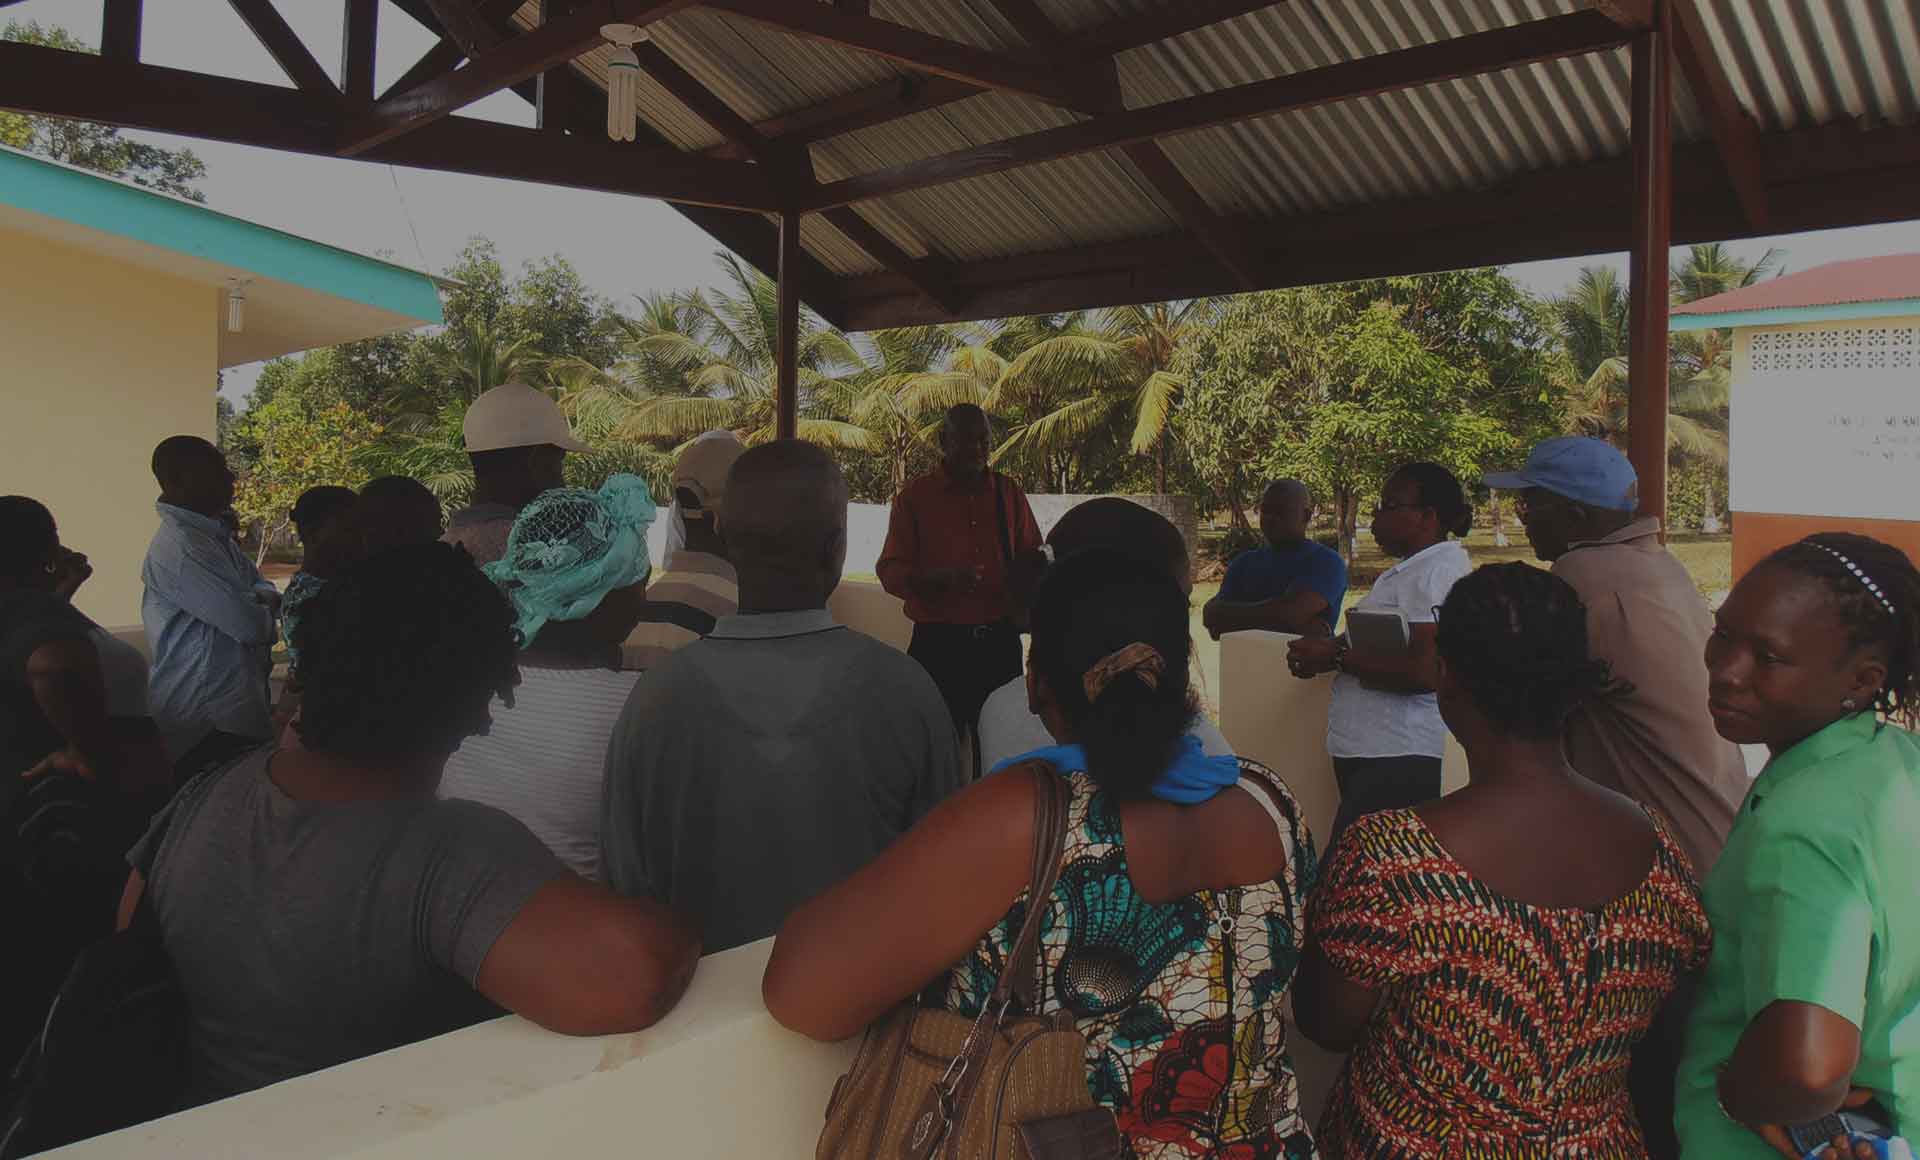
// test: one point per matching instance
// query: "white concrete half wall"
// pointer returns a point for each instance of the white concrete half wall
(866, 607)
(716, 1078)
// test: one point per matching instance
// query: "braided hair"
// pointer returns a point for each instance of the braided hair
(1876, 590)
(1516, 638)
(401, 654)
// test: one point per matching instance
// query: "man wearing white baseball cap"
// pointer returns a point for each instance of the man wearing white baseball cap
(517, 440)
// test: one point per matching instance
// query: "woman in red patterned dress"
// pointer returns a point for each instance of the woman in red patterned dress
(1491, 958)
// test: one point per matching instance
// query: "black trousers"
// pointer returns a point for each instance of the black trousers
(967, 662)
(1371, 784)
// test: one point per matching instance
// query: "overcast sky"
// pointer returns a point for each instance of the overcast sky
(621, 245)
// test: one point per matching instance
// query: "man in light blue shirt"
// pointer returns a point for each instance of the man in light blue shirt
(208, 613)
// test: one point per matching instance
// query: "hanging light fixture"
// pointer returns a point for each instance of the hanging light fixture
(236, 304)
(623, 80)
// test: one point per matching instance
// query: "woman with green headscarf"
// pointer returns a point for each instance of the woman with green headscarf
(575, 570)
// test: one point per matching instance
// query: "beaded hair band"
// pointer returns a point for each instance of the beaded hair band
(1865, 580)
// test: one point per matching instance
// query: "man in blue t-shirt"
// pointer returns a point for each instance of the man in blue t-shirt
(1292, 584)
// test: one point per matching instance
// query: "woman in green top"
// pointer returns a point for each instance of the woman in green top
(1812, 999)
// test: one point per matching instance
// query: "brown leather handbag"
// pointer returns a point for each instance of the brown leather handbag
(930, 1084)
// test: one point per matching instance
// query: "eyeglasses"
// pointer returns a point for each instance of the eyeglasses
(1384, 508)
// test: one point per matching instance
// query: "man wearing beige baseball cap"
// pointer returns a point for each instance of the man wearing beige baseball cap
(698, 585)
(517, 440)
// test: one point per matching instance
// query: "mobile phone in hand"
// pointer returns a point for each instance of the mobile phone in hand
(1813, 1138)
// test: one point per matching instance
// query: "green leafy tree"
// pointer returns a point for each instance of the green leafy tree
(88, 145)
(1341, 384)
(297, 440)
(1392, 401)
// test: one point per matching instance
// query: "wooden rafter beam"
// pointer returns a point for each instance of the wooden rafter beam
(1816, 179)
(927, 275)
(444, 56)
(120, 29)
(873, 105)
(1734, 133)
(52, 82)
(1189, 208)
(357, 48)
(704, 103)
(1033, 25)
(914, 48)
(281, 43)
(890, 100)
(1554, 37)
(750, 235)
(514, 60)
(1633, 15)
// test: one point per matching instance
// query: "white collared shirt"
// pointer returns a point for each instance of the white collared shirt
(1365, 722)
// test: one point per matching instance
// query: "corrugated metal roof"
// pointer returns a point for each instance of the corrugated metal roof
(1889, 278)
(1793, 64)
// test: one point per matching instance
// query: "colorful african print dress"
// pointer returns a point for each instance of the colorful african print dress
(1181, 1002)
(303, 587)
(1503, 1030)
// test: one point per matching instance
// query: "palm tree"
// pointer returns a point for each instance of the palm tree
(706, 360)
(1593, 328)
(915, 375)
(1592, 320)
(1074, 382)
(1714, 269)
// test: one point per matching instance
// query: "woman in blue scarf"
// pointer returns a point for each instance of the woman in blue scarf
(1172, 930)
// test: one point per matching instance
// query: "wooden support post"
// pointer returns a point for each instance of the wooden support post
(786, 397)
(120, 30)
(1648, 273)
(357, 49)
(545, 84)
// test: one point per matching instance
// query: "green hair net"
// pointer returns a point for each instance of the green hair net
(569, 548)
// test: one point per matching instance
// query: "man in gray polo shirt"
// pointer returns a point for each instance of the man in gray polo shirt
(776, 756)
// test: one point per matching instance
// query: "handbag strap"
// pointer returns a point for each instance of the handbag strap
(1020, 972)
(1021, 977)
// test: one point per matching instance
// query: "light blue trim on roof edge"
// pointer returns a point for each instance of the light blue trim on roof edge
(1785, 315)
(114, 207)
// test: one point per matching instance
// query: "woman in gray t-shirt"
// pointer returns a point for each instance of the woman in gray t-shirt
(318, 901)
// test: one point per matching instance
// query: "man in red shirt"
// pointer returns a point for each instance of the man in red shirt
(956, 538)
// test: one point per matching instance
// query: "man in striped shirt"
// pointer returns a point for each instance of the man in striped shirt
(699, 585)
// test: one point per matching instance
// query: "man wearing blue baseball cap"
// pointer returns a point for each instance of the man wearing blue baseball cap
(1652, 739)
